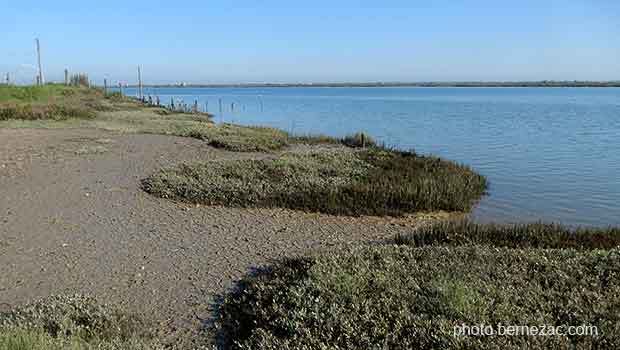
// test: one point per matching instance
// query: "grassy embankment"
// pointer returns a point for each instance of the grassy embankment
(59, 106)
(413, 295)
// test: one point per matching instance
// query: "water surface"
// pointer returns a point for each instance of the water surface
(550, 154)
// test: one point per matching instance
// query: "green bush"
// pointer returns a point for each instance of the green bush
(538, 235)
(332, 180)
(399, 297)
(74, 322)
(30, 339)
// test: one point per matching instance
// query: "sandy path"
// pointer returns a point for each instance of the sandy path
(74, 220)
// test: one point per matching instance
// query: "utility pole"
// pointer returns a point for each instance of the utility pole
(41, 81)
(140, 82)
(66, 77)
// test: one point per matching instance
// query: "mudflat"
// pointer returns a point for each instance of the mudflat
(74, 220)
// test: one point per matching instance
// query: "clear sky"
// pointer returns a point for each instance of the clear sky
(203, 41)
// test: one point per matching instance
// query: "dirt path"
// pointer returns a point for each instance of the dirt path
(74, 220)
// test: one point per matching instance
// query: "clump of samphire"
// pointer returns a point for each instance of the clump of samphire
(75, 322)
(400, 297)
(334, 180)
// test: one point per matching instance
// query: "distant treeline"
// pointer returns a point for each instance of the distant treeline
(544, 83)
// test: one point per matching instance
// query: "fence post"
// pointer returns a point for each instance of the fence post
(221, 110)
(105, 87)
(140, 82)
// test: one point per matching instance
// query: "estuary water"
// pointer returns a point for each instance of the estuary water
(550, 154)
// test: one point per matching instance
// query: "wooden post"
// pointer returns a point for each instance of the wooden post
(120, 88)
(66, 77)
(207, 106)
(232, 107)
(105, 86)
(8, 79)
(221, 114)
(140, 82)
(41, 81)
(195, 106)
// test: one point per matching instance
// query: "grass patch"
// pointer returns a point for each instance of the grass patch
(400, 297)
(241, 138)
(538, 235)
(50, 102)
(334, 180)
(50, 111)
(73, 323)
(31, 94)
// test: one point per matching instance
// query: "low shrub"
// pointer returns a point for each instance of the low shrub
(359, 139)
(337, 181)
(310, 139)
(115, 96)
(537, 235)
(58, 322)
(30, 339)
(239, 138)
(399, 297)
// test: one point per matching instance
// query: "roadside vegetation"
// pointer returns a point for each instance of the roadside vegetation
(412, 297)
(73, 323)
(334, 180)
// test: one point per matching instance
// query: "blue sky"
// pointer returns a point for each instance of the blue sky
(339, 40)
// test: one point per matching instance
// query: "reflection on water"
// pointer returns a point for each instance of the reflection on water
(550, 154)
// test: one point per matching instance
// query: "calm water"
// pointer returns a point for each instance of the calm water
(550, 154)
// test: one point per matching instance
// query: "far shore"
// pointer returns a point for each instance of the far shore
(508, 84)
